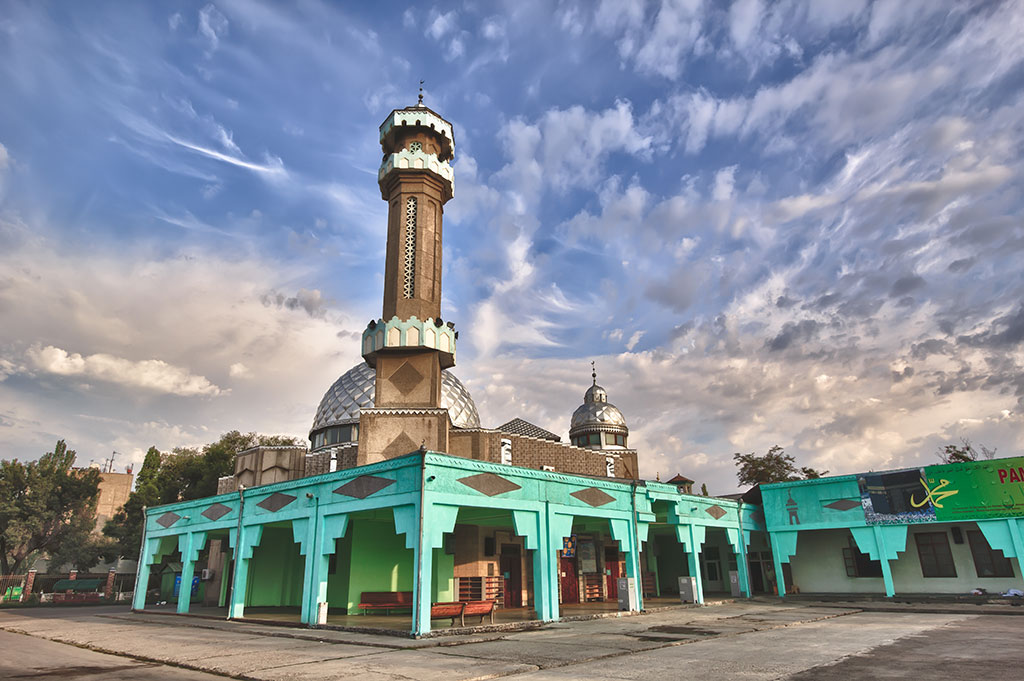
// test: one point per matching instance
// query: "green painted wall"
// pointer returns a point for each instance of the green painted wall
(382, 563)
(276, 569)
(444, 577)
(337, 580)
(671, 562)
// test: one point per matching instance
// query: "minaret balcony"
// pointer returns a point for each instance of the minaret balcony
(406, 159)
(417, 116)
(397, 334)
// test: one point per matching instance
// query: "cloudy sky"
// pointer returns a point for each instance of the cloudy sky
(793, 223)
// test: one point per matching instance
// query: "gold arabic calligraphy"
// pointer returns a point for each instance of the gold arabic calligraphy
(935, 495)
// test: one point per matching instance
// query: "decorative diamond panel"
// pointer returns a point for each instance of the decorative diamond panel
(715, 511)
(276, 501)
(355, 390)
(844, 504)
(364, 486)
(216, 512)
(406, 378)
(168, 519)
(593, 496)
(489, 484)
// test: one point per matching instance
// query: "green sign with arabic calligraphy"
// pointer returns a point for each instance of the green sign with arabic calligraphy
(977, 489)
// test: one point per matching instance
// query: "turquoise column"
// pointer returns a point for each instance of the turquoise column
(303, 531)
(783, 548)
(189, 544)
(882, 543)
(146, 560)
(623, 531)
(692, 536)
(243, 545)
(558, 527)
(739, 539)
(532, 525)
(436, 520)
(332, 528)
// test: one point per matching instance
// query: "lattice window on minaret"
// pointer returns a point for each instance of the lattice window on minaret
(409, 286)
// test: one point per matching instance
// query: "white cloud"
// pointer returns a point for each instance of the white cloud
(725, 180)
(213, 26)
(174, 21)
(441, 25)
(5, 158)
(150, 374)
(744, 18)
(239, 370)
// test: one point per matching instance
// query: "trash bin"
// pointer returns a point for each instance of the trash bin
(734, 584)
(321, 613)
(687, 589)
(627, 594)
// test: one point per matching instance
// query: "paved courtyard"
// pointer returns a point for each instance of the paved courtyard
(748, 640)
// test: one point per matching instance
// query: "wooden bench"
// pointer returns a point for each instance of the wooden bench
(385, 600)
(459, 610)
(480, 608)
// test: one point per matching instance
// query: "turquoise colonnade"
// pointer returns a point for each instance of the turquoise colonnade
(422, 494)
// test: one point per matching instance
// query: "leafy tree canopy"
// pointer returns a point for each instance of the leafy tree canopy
(48, 507)
(774, 466)
(964, 452)
(182, 474)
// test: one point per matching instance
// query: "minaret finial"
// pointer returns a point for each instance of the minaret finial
(420, 103)
(593, 372)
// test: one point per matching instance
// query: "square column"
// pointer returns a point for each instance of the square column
(244, 544)
(189, 544)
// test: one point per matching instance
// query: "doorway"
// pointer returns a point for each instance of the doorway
(613, 570)
(568, 579)
(511, 563)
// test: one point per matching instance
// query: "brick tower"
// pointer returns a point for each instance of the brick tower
(410, 344)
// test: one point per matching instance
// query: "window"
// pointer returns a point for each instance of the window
(988, 562)
(620, 440)
(416, 146)
(936, 558)
(595, 438)
(409, 285)
(860, 564)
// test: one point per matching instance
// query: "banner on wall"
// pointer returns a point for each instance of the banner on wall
(946, 492)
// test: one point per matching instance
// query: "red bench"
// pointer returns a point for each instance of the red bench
(385, 600)
(459, 609)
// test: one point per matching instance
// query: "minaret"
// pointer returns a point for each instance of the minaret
(597, 423)
(410, 344)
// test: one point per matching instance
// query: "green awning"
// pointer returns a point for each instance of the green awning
(78, 585)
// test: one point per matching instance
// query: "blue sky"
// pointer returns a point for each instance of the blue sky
(793, 223)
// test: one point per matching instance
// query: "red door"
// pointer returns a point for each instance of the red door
(570, 583)
(512, 574)
(612, 572)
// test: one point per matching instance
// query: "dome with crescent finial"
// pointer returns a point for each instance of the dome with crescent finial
(597, 423)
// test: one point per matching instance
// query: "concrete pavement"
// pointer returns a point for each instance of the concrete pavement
(748, 640)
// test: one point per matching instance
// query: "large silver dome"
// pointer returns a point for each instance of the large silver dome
(355, 390)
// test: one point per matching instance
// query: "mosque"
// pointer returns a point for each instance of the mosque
(406, 512)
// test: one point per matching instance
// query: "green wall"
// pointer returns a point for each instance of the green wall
(671, 563)
(276, 569)
(382, 562)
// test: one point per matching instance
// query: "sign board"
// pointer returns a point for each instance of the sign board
(946, 492)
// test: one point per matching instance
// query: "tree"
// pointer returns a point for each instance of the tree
(48, 507)
(183, 474)
(704, 489)
(775, 466)
(963, 452)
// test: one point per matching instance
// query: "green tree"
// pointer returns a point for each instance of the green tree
(185, 473)
(48, 507)
(704, 489)
(774, 466)
(964, 452)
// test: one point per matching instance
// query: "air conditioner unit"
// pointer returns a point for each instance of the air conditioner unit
(206, 575)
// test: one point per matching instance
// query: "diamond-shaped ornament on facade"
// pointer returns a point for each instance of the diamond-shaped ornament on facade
(593, 497)
(406, 378)
(843, 504)
(168, 519)
(276, 501)
(715, 511)
(216, 512)
(489, 484)
(364, 486)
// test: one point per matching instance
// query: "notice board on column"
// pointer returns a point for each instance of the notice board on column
(587, 557)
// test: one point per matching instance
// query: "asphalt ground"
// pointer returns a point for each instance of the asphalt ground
(745, 640)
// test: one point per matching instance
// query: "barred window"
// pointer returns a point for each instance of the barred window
(860, 564)
(409, 286)
(933, 551)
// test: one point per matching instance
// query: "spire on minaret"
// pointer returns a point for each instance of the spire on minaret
(593, 371)
(420, 103)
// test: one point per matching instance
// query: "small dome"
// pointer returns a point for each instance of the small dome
(356, 387)
(596, 394)
(597, 414)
